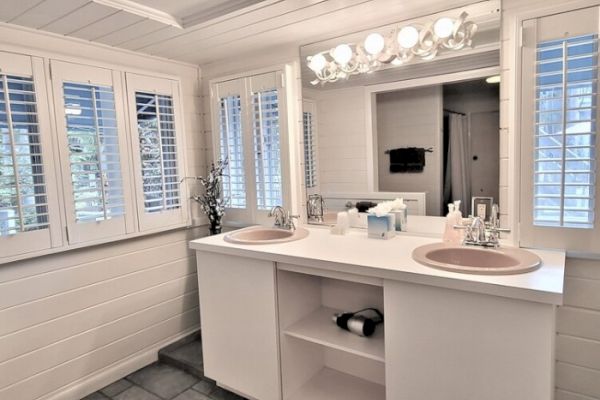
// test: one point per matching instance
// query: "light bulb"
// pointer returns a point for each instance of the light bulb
(408, 37)
(493, 79)
(374, 43)
(443, 27)
(342, 54)
(317, 62)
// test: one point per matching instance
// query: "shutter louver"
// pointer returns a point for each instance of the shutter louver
(267, 149)
(23, 200)
(310, 164)
(93, 152)
(232, 149)
(565, 132)
(158, 151)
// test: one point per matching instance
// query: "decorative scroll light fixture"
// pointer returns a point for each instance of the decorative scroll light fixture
(398, 47)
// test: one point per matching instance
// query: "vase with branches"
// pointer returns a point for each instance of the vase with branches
(211, 201)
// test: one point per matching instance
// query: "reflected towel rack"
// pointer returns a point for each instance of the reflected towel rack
(427, 150)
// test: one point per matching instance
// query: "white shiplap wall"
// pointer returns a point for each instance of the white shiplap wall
(341, 130)
(73, 322)
(578, 336)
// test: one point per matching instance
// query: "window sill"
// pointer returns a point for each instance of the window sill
(89, 245)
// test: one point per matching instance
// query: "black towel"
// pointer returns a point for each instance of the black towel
(408, 159)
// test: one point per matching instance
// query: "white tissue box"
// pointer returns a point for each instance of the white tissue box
(383, 227)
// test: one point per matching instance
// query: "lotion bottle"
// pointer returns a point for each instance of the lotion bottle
(458, 234)
(449, 233)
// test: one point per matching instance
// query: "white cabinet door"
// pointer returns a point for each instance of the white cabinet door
(239, 324)
(447, 344)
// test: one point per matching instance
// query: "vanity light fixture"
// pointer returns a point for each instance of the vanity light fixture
(396, 48)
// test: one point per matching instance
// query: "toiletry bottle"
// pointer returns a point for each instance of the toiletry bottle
(458, 235)
(449, 234)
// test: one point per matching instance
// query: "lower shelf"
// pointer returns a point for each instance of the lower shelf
(330, 384)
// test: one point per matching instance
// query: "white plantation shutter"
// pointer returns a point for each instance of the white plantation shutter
(158, 145)
(23, 201)
(267, 148)
(92, 140)
(28, 219)
(232, 148)
(310, 145)
(94, 154)
(249, 124)
(158, 150)
(560, 97)
(565, 134)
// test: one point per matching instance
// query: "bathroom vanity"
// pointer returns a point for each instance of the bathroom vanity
(267, 331)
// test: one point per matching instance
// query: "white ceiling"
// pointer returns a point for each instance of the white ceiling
(212, 29)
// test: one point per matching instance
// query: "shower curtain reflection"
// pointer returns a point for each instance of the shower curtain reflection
(457, 176)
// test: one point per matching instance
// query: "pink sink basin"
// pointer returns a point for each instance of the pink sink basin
(477, 260)
(265, 235)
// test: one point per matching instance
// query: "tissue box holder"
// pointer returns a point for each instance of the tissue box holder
(383, 227)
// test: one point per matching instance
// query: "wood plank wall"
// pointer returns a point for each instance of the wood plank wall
(67, 317)
(578, 333)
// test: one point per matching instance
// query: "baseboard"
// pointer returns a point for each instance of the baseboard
(105, 376)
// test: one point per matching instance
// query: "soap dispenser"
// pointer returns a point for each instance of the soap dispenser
(458, 234)
(449, 233)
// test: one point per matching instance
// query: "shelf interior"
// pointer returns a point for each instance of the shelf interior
(319, 328)
(330, 384)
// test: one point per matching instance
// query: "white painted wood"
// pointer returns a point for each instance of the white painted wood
(320, 329)
(361, 367)
(47, 11)
(239, 315)
(578, 322)
(444, 344)
(106, 26)
(80, 232)
(22, 367)
(330, 384)
(21, 291)
(10, 10)
(133, 31)
(25, 243)
(578, 351)
(56, 377)
(330, 274)
(585, 381)
(582, 292)
(566, 395)
(79, 18)
(149, 84)
(47, 333)
(32, 313)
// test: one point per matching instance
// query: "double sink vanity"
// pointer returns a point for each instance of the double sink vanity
(460, 323)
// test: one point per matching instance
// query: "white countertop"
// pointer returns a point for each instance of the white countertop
(391, 259)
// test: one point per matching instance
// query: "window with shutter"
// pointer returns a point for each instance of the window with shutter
(92, 140)
(94, 158)
(23, 200)
(267, 149)
(29, 219)
(310, 146)
(158, 151)
(157, 140)
(559, 94)
(249, 116)
(232, 149)
(565, 132)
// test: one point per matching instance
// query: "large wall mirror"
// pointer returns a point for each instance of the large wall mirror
(427, 131)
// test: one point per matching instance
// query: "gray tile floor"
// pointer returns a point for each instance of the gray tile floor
(160, 381)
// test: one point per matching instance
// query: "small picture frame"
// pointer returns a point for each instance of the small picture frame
(482, 207)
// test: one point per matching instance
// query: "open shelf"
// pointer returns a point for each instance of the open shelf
(330, 384)
(318, 328)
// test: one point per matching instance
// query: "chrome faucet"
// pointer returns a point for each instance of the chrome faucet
(283, 218)
(478, 233)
